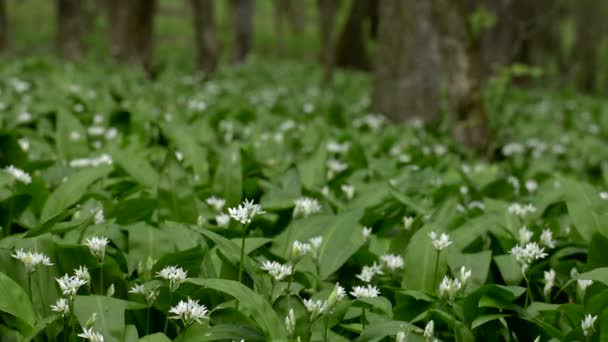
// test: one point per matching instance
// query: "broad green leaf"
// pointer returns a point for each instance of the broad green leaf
(134, 162)
(158, 337)
(584, 209)
(509, 269)
(15, 301)
(184, 139)
(481, 320)
(70, 192)
(251, 302)
(340, 241)
(477, 263)
(378, 331)
(228, 178)
(312, 170)
(420, 261)
(110, 312)
(176, 200)
(598, 274)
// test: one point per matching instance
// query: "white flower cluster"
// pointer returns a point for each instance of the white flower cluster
(334, 167)
(277, 270)
(222, 220)
(97, 246)
(174, 275)
(587, 325)
(408, 221)
(31, 260)
(392, 261)
(319, 307)
(337, 148)
(526, 255)
(368, 272)
(89, 334)
(306, 206)
(245, 212)
(189, 312)
(150, 294)
(348, 190)
(290, 322)
(440, 242)
(69, 285)
(366, 232)
(18, 174)
(61, 307)
(216, 203)
(103, 159)
(549, 282)
(451, 287)
(369, 291)
(521, 210)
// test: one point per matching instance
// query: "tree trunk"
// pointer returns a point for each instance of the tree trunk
(139, 41)
(351, 51)
(243, 24)
(407, 76)
(280, 14)
(328, 10)
(117, 13)
(3, 27)
(204, 35)
(69, 20)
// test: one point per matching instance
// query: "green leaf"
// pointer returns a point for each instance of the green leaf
(70, 192)
(380, 303)
(509, 269)
(312, 170)
(420, 259)
(110, 312)
(158, 337)
(598, 274)
(481, 320)
(340, 241)
(134, 162)
(15, 301)
(379, 330)
(250, 302)
(183, 137)
(584, 204)
(228, 178)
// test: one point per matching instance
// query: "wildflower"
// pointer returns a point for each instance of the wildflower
(189, 312)
(99, 217)
(531, 185)
(216, 202)
(61, 307)
(103, 159)
(393, 261)
(299, 249)
(175, 275)
(245, 212)
(223, 220)
(546, 238)
(277, 270)
(31, 260)
(429, 329)
(137, 289)
(527, 254)
(604, 195)
(97, 246)
(89, 334)
(440, 242)
(315, 244)
(337, 148)
(583, 284)
(83, 273)
(369, 291)
(315, 307)
(525, 235)
(24, 117)
(335, 296)
(335, 166)
(366, 232)
(69, 285)
(521, 210)
(449, 288)
(407, 222)
(24, 144)
(464, 276)
(74, 136)
(111, 133)
(348, 190)
(290, 322)
(306, 206)
(587, 325)
(368, 272)
(18, 174)
(549, 282)
(400, 337)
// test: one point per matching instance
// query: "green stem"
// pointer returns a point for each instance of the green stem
(148, 321)
(167, 316)
(436, 270)
(240, 277)
(528, 292)
(362, 319)
(101, 292)
(326, 327)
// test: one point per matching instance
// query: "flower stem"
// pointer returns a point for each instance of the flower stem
(167, 316)
(148, 321)
(528, 292)
(240, 277)
(326, 327)
(101, 279)
(436, 269)
(362, 319)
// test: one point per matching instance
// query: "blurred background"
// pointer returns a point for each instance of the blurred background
(413, 51)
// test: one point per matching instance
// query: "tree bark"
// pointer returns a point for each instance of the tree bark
(3, 27)
(328, 10)
(204, 35)
(117, 14)
(69, 22)
(407, 76)
(351, 51)
(243, 24)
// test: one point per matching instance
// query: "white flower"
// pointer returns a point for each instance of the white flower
(299, 249)
(223, 220)
(24, 144)
(245, 212)
(335, 166)
(89, 334)
(440, 242)
(306, 206)
(366, 232)
(449, 288)
(429, 329)
(290, 322)
(18, 174)
(174, 275)
(393, 261)
(583, 284)
(525, 235)
(335, 296)
(368, 272)
(74, 136)
(546, 238)
(407, 222)
(369, 291)
(138, 289)
(337, 148)
(69, 285)
(99, 217)
(97, 246)
(531, 185)
(521, 210)
(464, 276)
(111, 133)
(315, 244)
(315, 307)
(400, 337)
(216, 202)
(102, 159)
(61, 307)
(83, 273)
(96, 131)
(277, 270)
(549, 282)
(527, 254)
(24, 117)
(189, 312)
(587, 325)
(604, 195)
(348, 190)
(31, 260)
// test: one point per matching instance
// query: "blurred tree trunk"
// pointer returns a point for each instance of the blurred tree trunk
(3, 27)
(281, 8)
(204, 34)
(590, 31)
(139, 33)
(351, 51)
(69, 21)
(407, 77)
(328, 9)
(243, 24)
(422, 45)
(117, 13)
